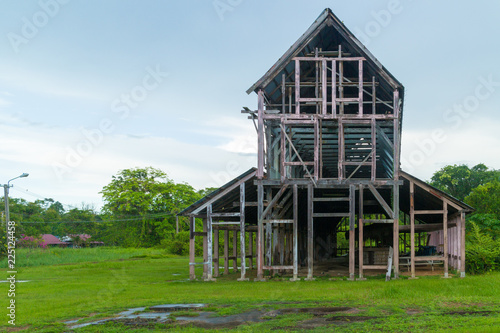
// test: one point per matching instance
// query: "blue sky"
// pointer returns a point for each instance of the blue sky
(88, 88)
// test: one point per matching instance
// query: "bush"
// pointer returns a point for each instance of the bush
(482, 252)
(31, 242)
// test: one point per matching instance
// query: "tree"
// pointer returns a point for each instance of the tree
(460, 180)
(486, 199)
(144, 202)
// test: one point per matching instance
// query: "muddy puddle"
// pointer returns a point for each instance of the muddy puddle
(166, 313)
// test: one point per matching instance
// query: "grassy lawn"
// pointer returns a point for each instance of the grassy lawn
(89, 284)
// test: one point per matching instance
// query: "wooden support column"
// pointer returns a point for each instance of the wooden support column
(295, 233)
(396, 231)
(235, 251)
(352, 235)
(209, 245)
(259, 238)
(205, 251)
(192, 248)
(462, 244)
(250, 249)
(260, 135)
(216, 252)
(310, 233)
(361, 239)
(445, 237)
(412, 228)
(269, 232)
(226, 252)
(242, 233)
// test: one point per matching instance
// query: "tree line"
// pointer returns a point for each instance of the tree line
(141, 205)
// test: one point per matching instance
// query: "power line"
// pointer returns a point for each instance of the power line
(104, 221)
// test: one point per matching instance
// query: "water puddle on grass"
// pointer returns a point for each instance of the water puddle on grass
(165, 313)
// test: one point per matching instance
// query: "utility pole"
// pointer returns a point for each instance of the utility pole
(6, 199)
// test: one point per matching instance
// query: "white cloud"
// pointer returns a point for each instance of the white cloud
(426, 151)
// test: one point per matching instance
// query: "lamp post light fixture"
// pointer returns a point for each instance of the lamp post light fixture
(6, 199)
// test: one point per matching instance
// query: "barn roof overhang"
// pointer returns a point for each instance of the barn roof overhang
(428, 197)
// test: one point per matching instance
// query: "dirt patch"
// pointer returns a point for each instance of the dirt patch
(320, 311)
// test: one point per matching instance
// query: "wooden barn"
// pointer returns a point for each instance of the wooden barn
(328, 190)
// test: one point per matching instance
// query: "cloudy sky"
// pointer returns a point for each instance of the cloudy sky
(88, 88)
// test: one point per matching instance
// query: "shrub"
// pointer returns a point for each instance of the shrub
(482, 252)
(31, 242)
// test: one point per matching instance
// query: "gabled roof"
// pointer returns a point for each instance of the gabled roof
(313, 37)
(51, 240)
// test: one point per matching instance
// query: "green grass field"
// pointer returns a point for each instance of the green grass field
(89, 284)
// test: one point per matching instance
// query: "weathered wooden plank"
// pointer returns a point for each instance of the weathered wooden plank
(445, 235)
(310, 232)
(295, 232)
(242, 234)
(381, 200)
(412, 228)
(192, 275)
(352, 240)
(361, 240)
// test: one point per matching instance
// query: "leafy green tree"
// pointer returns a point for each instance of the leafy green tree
(141, 204)
(460, 180)
(486, 199)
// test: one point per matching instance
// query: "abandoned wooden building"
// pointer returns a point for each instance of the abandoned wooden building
(328, 187)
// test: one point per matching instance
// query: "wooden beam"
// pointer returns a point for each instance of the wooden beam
(295, 233)
(412, 228)
(352, 240)
(242, 233)
(462, 245)
(192, 275)
(361, 243)
(226, 252)
(310, 233)
(259, 244)
(381, 200)
(445, 237)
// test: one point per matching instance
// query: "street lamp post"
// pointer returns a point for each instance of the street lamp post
(6, 199)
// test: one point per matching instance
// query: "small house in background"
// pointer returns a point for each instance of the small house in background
(53, 241)
(81, 240)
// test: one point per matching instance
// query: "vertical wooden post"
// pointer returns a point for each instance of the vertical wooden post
(205, 250)
(242, 233)
(209, 245)
(295, 233)
(226, 252)
(361, 242)
(341, 173)
(396, 230)
(216, 251)
(250, 249)
(297, 86)
(310, 233)
(235, 251)
(352, 235)
(192, 248)
(462, 244)
(176, 224)
(445, 239)
(412, 228)
(260, 136)
(260, 252)
(269, 233)
(374, 150)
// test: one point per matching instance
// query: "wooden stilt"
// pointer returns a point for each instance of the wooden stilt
(226, 252)
(192, 248)
(352, 236)
(360, 229)
(310, 233)
(445, 239)
(295, 234)
(216, 252)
